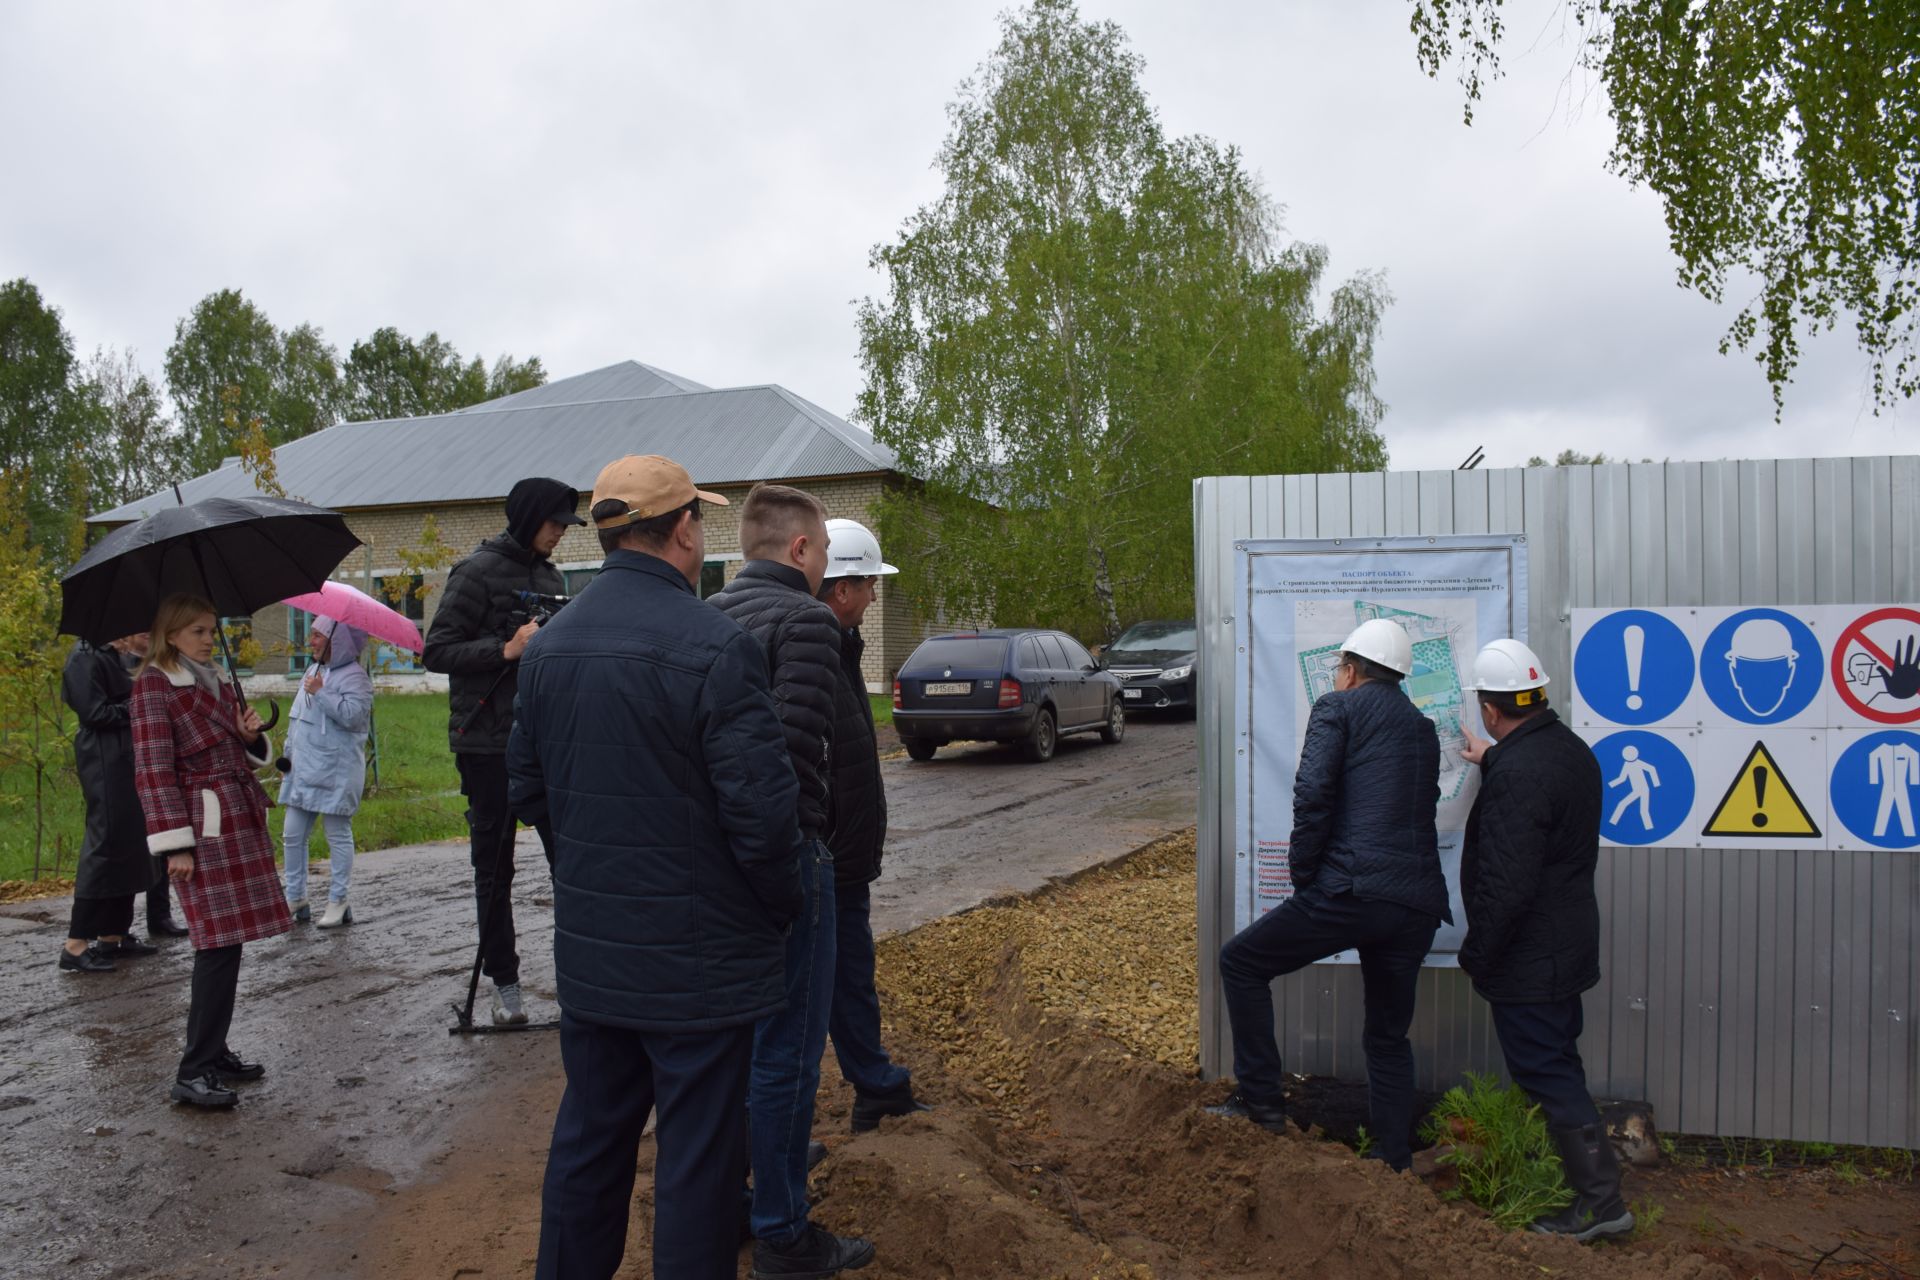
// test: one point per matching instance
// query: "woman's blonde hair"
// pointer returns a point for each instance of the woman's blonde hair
(175, 612)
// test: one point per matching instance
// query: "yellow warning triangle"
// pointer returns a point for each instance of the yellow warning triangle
(1760, 802)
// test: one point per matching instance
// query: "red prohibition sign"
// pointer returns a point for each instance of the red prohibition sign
(1856, 633)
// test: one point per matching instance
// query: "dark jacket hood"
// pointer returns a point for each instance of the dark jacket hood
(534, 501)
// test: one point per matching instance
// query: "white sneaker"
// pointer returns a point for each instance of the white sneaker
(338, 913)
(507, 1009)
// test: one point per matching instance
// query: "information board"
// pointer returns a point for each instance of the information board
(1297, 600)
(1788, 727)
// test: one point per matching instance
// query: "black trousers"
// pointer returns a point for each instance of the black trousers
(216, 980)
(1540, 1043)
(697, 1081)
(1308, 927)
(101, 917)
(491, 827)
(159, 903)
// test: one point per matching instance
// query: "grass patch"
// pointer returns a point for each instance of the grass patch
(417, 799)
(882, 707)
(1505, 1157)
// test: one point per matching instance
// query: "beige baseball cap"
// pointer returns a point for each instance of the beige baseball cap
(650, 485)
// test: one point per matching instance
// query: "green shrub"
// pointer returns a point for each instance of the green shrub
(1504, 1155)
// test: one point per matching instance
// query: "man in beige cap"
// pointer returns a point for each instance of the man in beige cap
(647, 737)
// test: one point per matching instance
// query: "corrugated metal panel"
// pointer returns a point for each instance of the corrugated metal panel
(627, 380)
(723, 437)
(1745, 992)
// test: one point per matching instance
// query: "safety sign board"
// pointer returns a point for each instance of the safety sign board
(1782, 714)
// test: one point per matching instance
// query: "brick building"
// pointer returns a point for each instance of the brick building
(451, 472)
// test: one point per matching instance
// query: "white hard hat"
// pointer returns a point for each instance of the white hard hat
(1383, 641)
(853, 551)
(1507, 666)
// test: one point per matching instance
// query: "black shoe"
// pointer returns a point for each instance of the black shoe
(128, 946)
(229, 1068)
(817, 1254)
(1271, 1117)
(869, 1109)
(816, 1152)
(88, 961)
(1592, 1172)
(166, 927)
(203, 1091)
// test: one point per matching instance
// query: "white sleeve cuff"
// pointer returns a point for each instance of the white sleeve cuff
(261, 751)
(178, 840)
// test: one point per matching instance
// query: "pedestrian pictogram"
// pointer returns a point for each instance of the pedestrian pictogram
(1874, 782)
(1649, 787)
(1876, 665)
(1761, 802)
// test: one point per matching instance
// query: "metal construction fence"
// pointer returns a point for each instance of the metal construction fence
(1745, 992)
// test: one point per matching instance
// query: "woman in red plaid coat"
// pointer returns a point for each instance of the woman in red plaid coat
(196, 745)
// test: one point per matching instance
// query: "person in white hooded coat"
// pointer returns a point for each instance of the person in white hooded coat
(326, 765)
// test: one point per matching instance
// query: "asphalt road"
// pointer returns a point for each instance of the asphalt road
(100, 1176)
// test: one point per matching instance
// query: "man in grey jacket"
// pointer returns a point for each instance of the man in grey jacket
(783, 532)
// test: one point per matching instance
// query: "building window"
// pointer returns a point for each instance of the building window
(299, 627)
(713, 576)
(576, 579)
(412, 603)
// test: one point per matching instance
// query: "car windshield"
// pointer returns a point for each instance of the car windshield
(1155, 637)
(972, 652)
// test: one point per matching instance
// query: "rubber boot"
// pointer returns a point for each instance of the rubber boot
(1593, 1172)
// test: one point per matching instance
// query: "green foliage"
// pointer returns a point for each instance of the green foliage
(1783, 137)
(1506, 1159)
(1569, 458)
(35, 725)
(1089, 317)
(130, 444)
(40, 417)
(390, 375)
(230, 367)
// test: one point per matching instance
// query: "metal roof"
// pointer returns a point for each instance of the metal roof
(568, 430)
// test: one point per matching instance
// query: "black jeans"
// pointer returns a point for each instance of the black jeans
(101, 917)
(615, 1075)
(1540, 1042)
(159, 902)
(1308, 927)
(216, 980)
(490, 824)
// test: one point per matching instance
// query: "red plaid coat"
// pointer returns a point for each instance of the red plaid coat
(198, 790)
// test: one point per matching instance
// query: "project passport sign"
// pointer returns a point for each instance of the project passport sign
(1297, 600)
(1781, 726)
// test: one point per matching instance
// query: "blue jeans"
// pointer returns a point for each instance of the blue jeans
(697, 1081)
(1308, 927)
(339, 851)
(855, 1022)
(786, 1061)
(1540, 1043)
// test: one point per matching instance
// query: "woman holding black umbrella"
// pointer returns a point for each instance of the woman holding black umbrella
(196, 746)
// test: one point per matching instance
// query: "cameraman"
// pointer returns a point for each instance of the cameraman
(478, 633)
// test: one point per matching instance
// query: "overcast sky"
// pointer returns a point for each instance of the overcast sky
(697, 186)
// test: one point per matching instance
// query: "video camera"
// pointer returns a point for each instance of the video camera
(540, 609)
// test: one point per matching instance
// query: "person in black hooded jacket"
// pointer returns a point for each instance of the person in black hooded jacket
(478, 633)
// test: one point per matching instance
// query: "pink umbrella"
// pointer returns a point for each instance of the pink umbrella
(356, 608)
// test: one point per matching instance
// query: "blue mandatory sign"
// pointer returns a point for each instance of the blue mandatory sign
(1876, 789)
(1634, 667)
(1762, 666)
(1649, 787)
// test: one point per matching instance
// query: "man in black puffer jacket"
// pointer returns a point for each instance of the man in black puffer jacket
(479, 631)
(1366, 875)
(857, 835)
(1533, 922)
(783, 533)
(646, 736)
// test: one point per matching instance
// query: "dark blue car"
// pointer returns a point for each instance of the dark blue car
(1029, 687)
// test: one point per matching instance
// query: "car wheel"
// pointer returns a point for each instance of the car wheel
(1116, 725)
(1041, 738)
(919, 750)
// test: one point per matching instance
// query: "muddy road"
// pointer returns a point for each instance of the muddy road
(366, 1092)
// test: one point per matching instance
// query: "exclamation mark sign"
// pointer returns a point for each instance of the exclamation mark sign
(1759, 795)
(1635, 639)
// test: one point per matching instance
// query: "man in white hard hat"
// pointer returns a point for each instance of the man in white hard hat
(1533, 923)
(1366, 875)
(856, 832)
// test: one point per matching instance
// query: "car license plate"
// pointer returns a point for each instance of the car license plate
(1133, 693)
(936, 689)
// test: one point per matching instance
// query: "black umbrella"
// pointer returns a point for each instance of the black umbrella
(242, 554)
